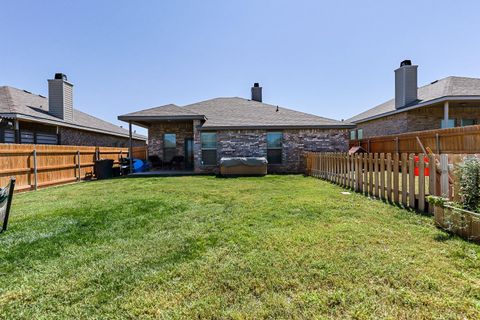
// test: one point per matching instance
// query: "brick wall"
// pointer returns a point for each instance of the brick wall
(182, 130)
(253, 143)
(70, 136)
(427, 118)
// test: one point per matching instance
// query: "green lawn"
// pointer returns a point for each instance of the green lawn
(205, 247)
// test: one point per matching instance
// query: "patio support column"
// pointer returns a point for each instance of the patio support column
(445, 113)
(16, 128)
(130, 146)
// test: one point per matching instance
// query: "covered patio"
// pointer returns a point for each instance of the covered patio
(172, 132)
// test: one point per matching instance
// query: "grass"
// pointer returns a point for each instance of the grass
(203, 247)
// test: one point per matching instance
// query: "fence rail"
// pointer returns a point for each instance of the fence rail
(451, 141)
(405, 179)
(36, 166)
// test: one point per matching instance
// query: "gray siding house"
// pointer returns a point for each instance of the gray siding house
(204, 132)
(35, 119)
(445, 103)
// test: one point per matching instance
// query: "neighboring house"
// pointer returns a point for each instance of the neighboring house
(445, 103)
(206, 131)
(29, 118)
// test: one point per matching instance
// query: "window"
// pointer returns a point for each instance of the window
(353, 135)
(468, 122)
(27, 137)
(209, 148)
(46, 138)
(274, 147)
(360, 134)
(169, 146)
(9, 136)
(450, 124)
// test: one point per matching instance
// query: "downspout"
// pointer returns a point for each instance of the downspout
(130, 149)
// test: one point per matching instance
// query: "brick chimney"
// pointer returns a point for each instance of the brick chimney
(60, 97)
(256, 92)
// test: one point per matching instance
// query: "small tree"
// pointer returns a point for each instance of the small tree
(469, 176)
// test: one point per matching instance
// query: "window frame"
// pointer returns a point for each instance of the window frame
(360, 134)
(447, 127)
(353, 134)
(275, 148)
(165, 148)
(209, 149)
(474, 122)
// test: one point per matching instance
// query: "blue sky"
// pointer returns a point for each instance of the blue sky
(330, 58)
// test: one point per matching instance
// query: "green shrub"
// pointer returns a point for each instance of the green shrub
(469, 183)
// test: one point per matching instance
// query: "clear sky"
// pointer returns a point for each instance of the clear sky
(330, 58)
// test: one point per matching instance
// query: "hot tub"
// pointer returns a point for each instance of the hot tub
(240, 166)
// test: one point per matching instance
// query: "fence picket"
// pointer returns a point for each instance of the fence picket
(396, 178)
(421, 182)
(377, 177)
(382, 176)
(389, 176)
(365, 173)
(404, 179)
(370, 174)
(411, 180)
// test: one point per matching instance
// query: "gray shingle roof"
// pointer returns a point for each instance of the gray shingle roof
(446, 87)
(23, 104)
(167, 111)
(242, 113)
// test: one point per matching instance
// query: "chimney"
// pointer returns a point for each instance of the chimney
(256, 92)
(405, 84)
(60, 97)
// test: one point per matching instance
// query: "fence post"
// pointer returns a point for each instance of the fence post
(35, 169)
(79, 167)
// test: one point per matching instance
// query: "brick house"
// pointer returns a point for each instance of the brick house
(449, 102)
(35, 119)
(206, 131)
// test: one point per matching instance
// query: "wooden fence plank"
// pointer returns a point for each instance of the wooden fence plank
(444, 186)
(377, 176)
(382, 176)
(396, 179)
(421, 182)
(404, 179)
(389, 176)
(370, 174)
(411, 181)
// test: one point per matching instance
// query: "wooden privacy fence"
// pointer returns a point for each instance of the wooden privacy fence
(405, 179)
(36, 166)
(450, 141)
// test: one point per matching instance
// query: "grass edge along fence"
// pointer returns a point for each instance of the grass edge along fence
(36, 166)
(406, 179)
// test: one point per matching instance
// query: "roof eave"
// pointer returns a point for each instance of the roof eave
(66, 124)
(419, 105)
(161, 118)
(277, 127)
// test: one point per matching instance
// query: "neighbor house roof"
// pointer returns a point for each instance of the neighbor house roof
(228, 113)
(22, 104)
(450, 87)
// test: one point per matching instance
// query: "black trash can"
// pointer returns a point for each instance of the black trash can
(104, 169)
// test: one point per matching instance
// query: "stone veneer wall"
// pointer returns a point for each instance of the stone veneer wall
(70, 136)
(182, 130)
(253, 143)
(427, 118)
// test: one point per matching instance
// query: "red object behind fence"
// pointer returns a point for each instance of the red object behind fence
(426, 170)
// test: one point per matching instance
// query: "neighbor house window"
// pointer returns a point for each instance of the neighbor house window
(274, 147)
(468, 122)
(169, 146)
(353, 135)
(209, 148)
(449, 124)
(360, 134)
